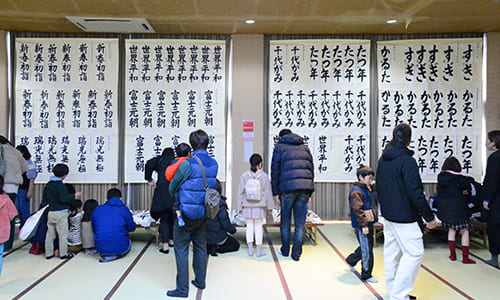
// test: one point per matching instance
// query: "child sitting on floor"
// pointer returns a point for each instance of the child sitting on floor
(75, 227)
(362, 218)
(86, 233)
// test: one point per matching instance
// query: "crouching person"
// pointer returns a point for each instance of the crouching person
(111, 223)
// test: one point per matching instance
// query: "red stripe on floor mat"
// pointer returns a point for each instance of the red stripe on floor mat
(129, 269)
(278, 267)
(447, 283)
(13, 250)
(40, 280)
(368, 285)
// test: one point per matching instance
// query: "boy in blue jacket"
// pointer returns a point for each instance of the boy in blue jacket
(362, 219)
(111, 223)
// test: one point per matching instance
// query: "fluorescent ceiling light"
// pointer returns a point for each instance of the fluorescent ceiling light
(249, 21)
(391, 21)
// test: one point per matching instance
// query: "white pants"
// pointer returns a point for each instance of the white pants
(254, 225)
(403, 253)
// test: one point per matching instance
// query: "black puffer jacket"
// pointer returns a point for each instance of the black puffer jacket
(162, 200)
(492, 187)
(292, 166)
(399, 187)
(451, 201)
(218, 228)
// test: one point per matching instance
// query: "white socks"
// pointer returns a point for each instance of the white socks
(250, 249)
(259, 251)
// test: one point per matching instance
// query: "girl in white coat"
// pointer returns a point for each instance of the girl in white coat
(255, 198)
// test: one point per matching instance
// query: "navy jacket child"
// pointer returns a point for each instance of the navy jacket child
(362, 219)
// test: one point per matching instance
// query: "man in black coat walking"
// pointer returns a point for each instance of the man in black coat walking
(402, 201)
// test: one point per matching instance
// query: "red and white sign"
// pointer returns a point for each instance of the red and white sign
(248, 130)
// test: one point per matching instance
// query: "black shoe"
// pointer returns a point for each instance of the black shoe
(49, 257)
(164, 251)
(412, 297)
(197, 285)
(176, 293)
(69, 255)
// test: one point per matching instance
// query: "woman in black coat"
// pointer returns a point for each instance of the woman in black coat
(454, 193)
(491, 196)
(163, 202)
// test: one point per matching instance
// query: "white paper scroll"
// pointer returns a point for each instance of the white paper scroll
(320, 90)
(173, 87)
(66, 106)
(434, 86)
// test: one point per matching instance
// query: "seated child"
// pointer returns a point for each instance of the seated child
(111, 223)
(362, 218)
(218, 239)
(75, 228)
(87, 233)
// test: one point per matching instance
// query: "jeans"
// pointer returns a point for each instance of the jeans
(295, 201)
(182, 239)
(1, 257)
(23, 206)
(364, 253)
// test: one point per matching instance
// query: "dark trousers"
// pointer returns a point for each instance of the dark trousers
(182, 239)
(8, 244)
(493, 231)
(167, 225)
(364, 253)
(230, 245)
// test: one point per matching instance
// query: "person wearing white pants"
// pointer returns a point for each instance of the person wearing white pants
(402, 202)
(254, 199)
(403, 253)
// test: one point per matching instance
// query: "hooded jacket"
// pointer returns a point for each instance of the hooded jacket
(218, 228)
(292, 166)
(451, 201)
(400, 190)
(111, 223)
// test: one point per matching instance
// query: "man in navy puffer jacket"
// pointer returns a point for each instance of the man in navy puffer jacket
(190, 200)
(292, 180)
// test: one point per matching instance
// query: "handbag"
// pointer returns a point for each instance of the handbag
(369, 215)
(31, 225)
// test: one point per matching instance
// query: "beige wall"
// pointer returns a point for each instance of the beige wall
(247, 100)
(4, 96)
(492, 107)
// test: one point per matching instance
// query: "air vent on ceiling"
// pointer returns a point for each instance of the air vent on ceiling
(119, 25)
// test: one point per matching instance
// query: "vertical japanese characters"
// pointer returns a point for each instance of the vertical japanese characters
(320, 90)
(172, 88)
(66, 95)
(435, 87)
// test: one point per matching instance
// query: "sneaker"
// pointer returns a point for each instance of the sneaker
(67, 256)
(197, 285)
(176, 293)
(371, 280)
(281, 253)
(105, 259)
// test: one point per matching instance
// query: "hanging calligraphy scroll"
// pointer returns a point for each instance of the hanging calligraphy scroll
(435, 87)
(66, 102)
(320, 90)
(173, 87)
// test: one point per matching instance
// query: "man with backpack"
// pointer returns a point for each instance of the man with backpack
(292, 179)
(188, 186)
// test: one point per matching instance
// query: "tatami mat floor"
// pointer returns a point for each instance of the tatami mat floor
(321, 273)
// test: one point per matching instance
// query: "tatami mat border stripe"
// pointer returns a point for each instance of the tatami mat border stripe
(278, 266)
(14, 250)
(447, 283)
(129, 269)
(372, 290)
(41, 279)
